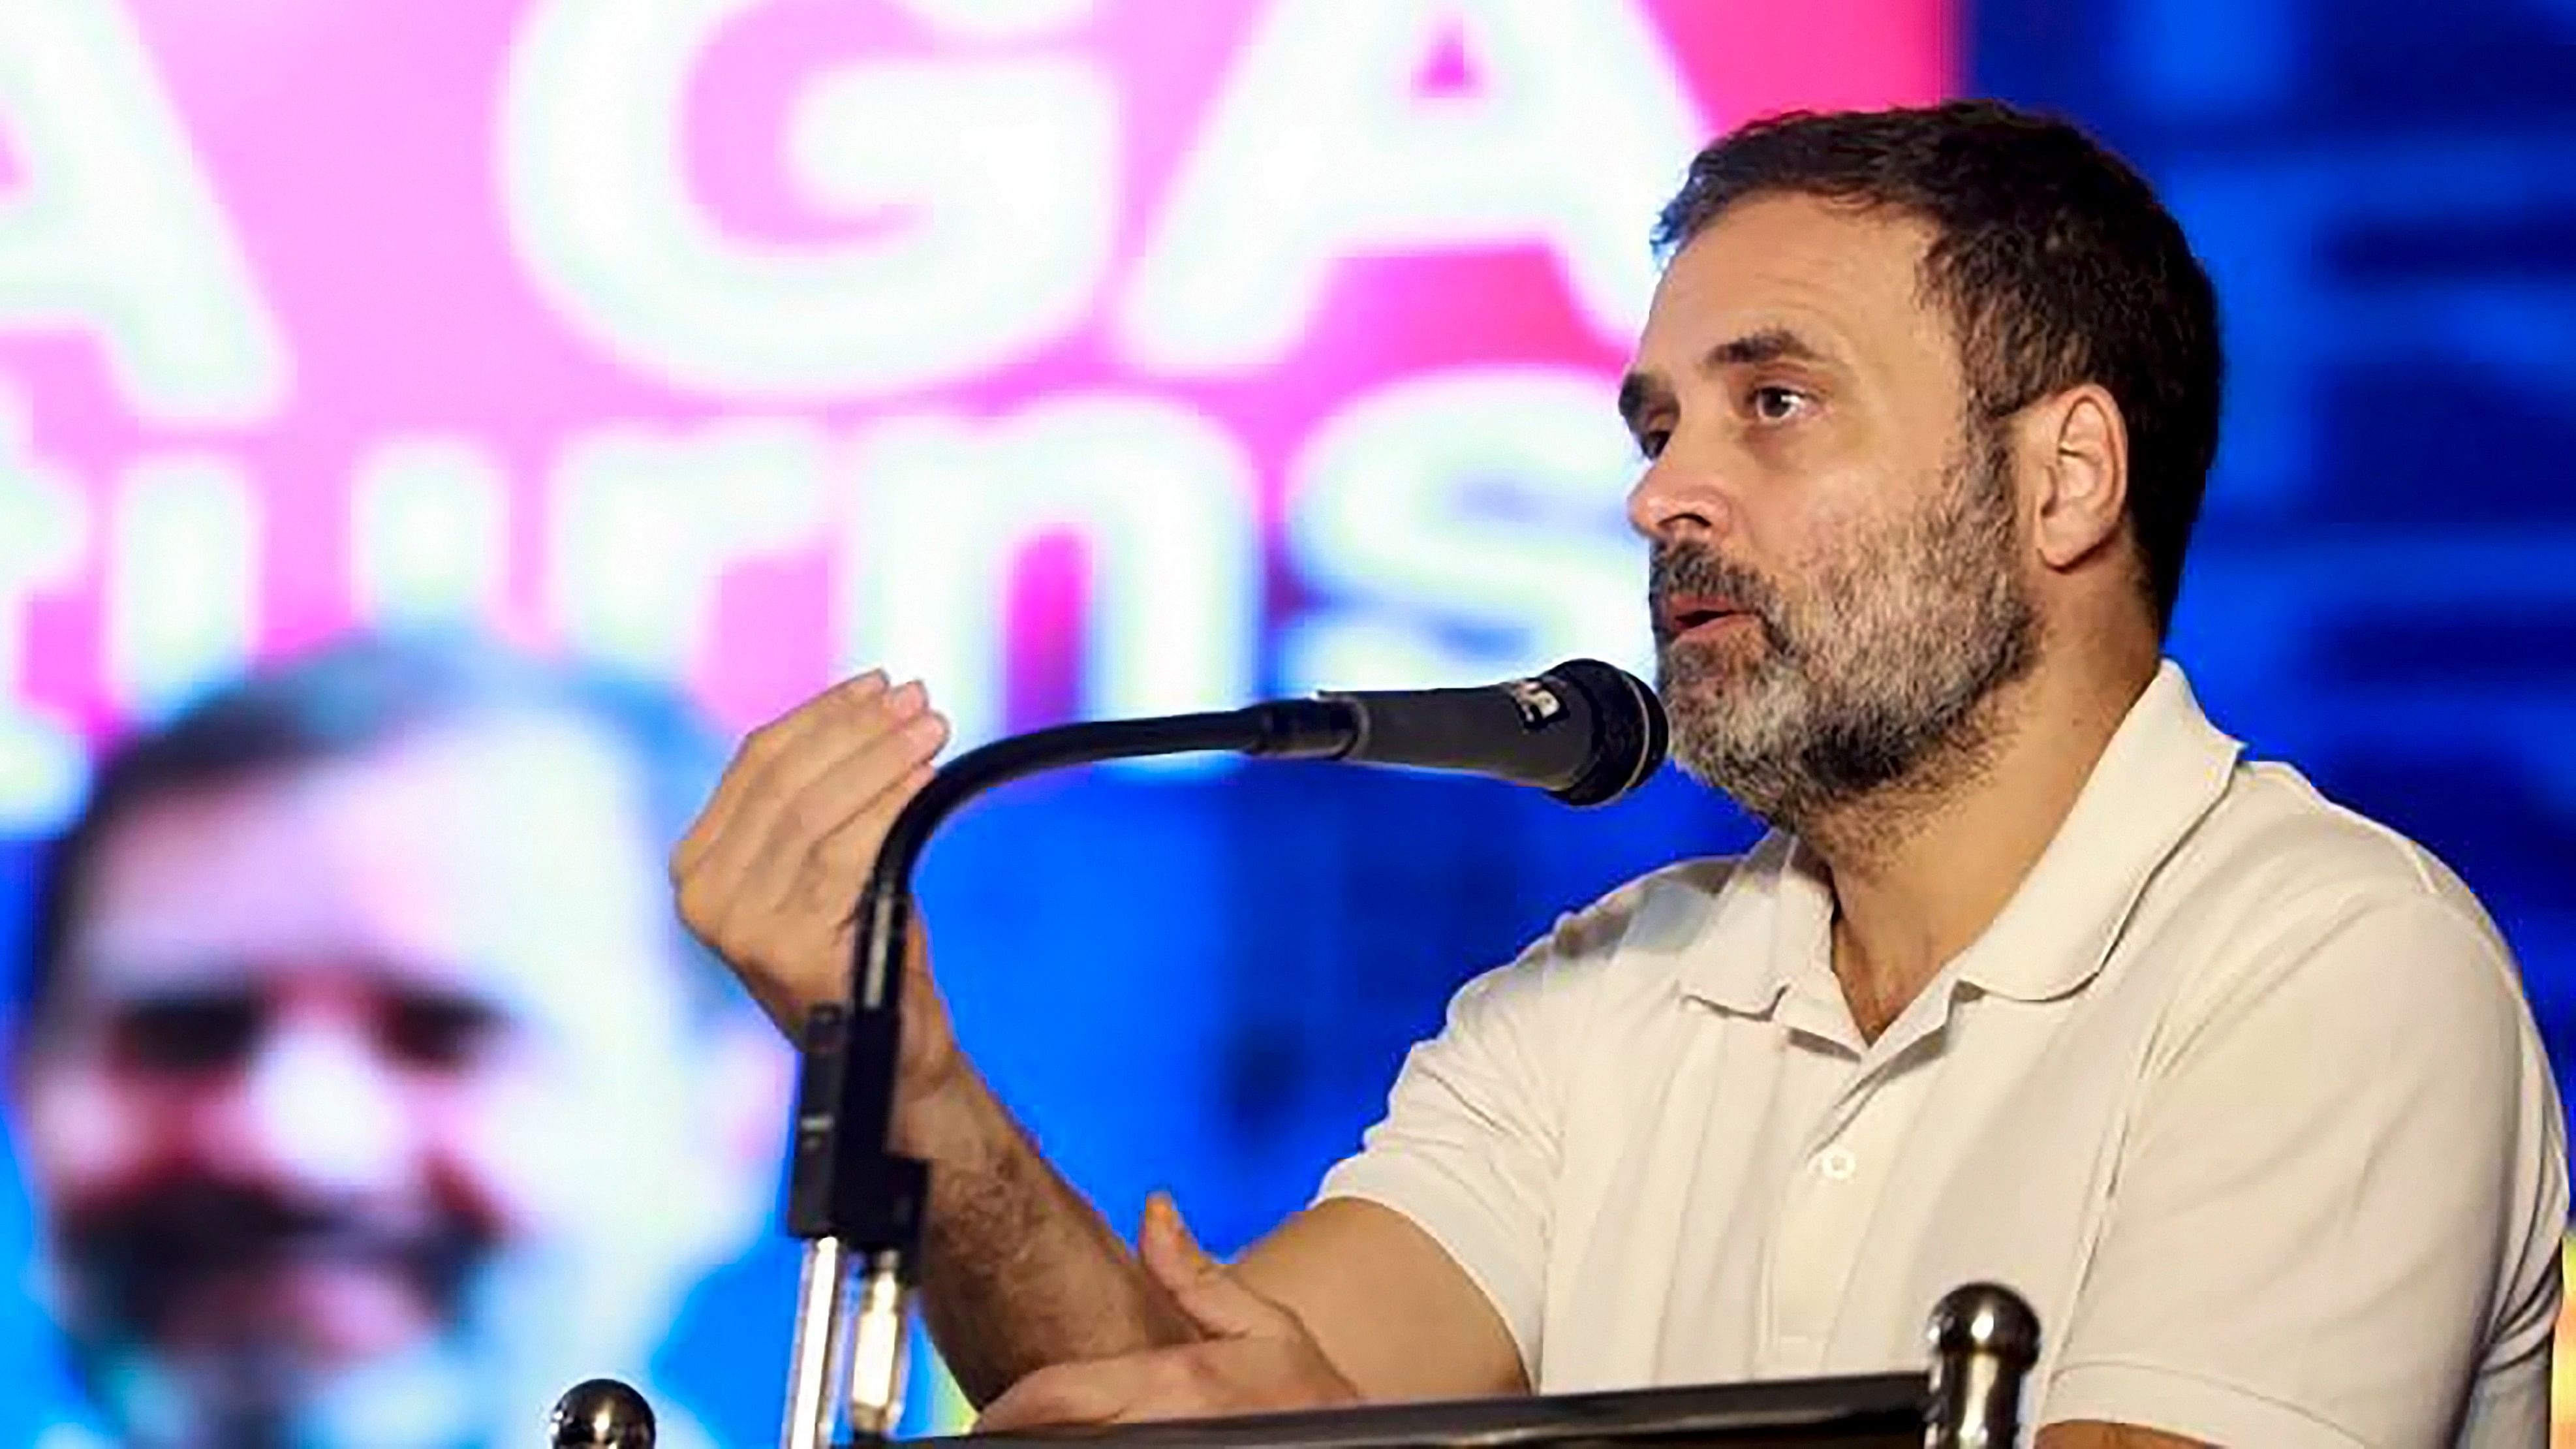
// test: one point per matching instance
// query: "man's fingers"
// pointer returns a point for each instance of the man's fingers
(836, 865)
(1164, 1241)
(740, 811)
(743, 880)
(746, 770)
(868, 783)
(1071, 1393)
(808, 787)
(1204, 1288)
(840, 860)
(1197, 1380)
(792, 801)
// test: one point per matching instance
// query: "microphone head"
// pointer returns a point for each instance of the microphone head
(1629, 733)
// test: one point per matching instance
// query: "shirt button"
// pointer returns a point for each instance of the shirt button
(1837, 1164)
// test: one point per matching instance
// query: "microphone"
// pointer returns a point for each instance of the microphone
(1584, 731)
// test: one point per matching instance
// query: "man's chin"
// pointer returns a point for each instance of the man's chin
(1734, 699)
(327, 1314)
(1741, 742)
(1720, 671)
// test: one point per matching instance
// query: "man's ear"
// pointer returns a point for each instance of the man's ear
(2075, 445)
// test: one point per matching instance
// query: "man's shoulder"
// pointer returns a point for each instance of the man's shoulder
(2277, 846)
(2282, 883)
(1633, 940)
(1603, 971)
(1659, 909)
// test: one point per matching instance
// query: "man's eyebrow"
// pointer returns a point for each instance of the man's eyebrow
(1768, 344)
(1640, 392)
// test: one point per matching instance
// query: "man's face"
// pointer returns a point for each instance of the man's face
(364, 1109)
(1835, 584)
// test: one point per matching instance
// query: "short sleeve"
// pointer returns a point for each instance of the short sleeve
(2336, 1218)
(1468, 1148)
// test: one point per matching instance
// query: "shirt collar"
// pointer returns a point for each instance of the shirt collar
(2165, 767)
(1769, 922)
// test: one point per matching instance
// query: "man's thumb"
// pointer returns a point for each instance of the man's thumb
(1204, 1288)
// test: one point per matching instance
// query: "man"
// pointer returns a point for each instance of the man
(370, 1092)
(2034, 980)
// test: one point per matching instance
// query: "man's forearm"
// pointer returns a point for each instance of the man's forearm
(1019, 1271)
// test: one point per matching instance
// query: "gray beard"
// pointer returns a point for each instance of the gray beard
(1869, 687)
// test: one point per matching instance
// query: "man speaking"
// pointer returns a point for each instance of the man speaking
(2034, 980)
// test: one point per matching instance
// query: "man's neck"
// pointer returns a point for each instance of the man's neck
(1920, 870)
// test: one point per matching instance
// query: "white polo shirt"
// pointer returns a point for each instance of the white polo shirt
(2240, 1091)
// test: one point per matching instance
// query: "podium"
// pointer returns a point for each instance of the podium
(1984, 1341)
(1879, 1412)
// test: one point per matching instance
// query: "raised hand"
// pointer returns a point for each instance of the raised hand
(768, 873)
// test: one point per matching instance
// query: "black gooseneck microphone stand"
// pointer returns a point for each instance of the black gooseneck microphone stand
(858, 1204)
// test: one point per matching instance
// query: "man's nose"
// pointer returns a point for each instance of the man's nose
(316, 1111)
(1682, 493)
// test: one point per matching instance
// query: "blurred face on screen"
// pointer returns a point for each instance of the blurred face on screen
(370, 1108)
(1835, 582)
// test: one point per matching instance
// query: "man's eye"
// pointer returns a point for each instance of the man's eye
(1650, 442)
(1775, 404)
(441, 1033)
(186, 1034)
